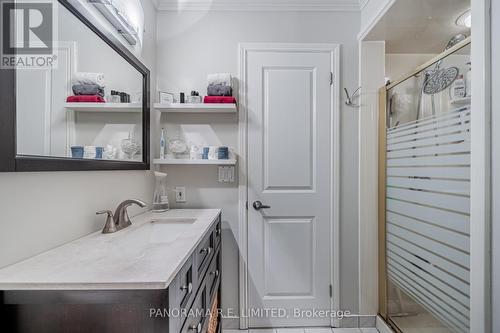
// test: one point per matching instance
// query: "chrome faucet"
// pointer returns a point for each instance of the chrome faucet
(120, 219)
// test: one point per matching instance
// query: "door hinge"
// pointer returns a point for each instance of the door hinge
(331, 291)
(246, 205)
(331, 78)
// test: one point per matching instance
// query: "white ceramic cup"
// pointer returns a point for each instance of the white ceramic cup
(213, 153)
(195, 153)
(89, 152)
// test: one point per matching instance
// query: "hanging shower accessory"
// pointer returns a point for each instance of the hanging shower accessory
(351, 98)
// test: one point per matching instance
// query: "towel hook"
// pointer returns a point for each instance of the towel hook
(351, 98)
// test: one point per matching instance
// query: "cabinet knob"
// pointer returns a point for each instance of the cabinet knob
(206, 249)
(196, 328)
(189, 288)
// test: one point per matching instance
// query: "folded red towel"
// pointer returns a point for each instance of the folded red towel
(219, 99)
(85, 99)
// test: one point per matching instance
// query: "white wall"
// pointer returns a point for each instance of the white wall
(495, 177)
(44, 210)
(480, 190)
(193, 44)
(372, 73)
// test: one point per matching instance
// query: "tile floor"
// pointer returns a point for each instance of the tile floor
(306, 330)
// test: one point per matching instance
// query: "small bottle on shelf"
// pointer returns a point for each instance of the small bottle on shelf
(162, 144)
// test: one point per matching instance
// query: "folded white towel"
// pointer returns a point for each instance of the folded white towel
(88, 78)
(219, 78)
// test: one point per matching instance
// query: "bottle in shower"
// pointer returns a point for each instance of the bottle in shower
(457, 90)
(468, 80)
(160, 197)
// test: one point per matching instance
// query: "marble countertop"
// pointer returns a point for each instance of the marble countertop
(143, 256)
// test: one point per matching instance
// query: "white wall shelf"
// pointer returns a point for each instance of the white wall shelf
(104, 107)
(460, 101)
(173, 161)
(196, 108)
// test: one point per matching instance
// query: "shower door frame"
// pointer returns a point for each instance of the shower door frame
(382, 177)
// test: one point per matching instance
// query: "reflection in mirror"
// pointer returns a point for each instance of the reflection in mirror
(89, 105)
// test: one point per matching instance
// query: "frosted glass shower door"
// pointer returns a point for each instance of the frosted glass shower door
(427, 204)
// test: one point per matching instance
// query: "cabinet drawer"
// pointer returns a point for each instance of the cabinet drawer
(187, 285)
(204, 252)
(213, 276)
(196, 318)
(218, 232)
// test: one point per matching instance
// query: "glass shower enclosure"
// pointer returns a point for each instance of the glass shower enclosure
(424, 194)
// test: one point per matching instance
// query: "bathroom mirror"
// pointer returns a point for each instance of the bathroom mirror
(86, 109)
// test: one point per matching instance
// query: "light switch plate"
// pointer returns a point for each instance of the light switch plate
(226, 174)
(180, 194)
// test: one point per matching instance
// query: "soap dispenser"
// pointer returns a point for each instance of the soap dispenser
(160, 196)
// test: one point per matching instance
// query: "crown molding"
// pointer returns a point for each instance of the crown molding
(259, 5)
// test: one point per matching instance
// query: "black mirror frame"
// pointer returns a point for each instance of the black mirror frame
(10, 161)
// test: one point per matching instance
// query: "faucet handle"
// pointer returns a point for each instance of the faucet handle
(105, 211)
(110, 226)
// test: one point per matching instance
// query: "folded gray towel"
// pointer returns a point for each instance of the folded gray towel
(88, 78)
(219, 90)
(88, 89)
(219, 78)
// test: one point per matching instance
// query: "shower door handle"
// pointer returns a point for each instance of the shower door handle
(257, 205)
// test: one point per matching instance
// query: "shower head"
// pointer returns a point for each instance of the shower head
(437, 79)
(440, 80)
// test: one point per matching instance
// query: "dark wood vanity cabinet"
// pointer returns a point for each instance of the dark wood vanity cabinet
(197, 286)
(183, 307)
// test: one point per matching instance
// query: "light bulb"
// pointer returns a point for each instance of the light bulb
(464, 20)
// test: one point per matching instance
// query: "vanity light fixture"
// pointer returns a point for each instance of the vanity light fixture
(464, 20)
(118, 19)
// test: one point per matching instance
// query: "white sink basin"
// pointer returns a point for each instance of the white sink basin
(165, 230)
(168, 229)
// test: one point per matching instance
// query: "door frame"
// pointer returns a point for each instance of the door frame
(334, 51)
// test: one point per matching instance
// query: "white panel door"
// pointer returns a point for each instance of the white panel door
(33, 111)
(289, 105)
(41, 96)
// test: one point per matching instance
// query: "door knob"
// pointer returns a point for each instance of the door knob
(259, 205)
